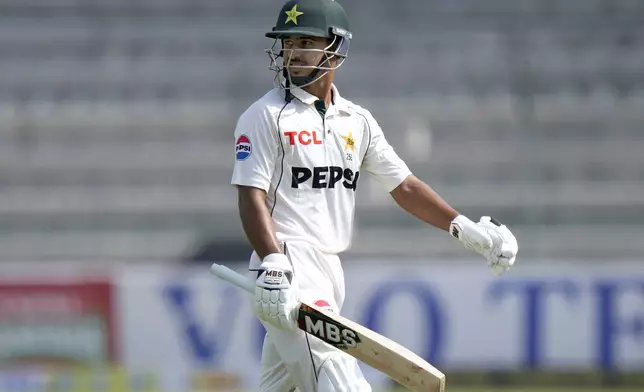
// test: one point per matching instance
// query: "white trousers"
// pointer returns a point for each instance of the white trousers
(294, 360)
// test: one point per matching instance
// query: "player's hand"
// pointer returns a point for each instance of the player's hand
(276, 299)
(489, 238)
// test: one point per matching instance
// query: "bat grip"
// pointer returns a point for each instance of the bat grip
(233, 277)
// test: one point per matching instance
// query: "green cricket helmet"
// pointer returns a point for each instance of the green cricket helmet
(309, 18)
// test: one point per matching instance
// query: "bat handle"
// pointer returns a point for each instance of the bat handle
(233, 277)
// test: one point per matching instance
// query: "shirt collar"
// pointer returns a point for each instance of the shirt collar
(339, 103)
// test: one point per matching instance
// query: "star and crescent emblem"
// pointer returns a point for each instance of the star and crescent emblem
(292, 15)
(350, 143)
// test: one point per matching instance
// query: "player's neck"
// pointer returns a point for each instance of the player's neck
(322, 89)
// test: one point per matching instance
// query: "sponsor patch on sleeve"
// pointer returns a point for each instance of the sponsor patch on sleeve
(243, 148)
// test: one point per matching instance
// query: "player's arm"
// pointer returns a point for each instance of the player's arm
(487, 237)
(256, 220)
(420, 200)
(256, 153)
(257, 149)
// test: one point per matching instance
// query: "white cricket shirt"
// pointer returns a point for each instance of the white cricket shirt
(310, 163)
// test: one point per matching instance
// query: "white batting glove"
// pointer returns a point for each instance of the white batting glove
(505, 248)
(489, 238)
(276, 300)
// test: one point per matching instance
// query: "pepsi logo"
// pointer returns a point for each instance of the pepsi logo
(243, 148)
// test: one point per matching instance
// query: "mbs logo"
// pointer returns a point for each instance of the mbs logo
(303, 137)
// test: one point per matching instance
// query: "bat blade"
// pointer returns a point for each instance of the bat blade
(375, 350)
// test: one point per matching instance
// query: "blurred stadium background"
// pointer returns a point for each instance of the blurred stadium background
(116, 120)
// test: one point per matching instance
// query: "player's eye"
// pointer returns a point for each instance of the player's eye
(287, 43)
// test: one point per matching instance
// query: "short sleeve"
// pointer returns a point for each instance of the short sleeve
(380, 159)
(256, 149)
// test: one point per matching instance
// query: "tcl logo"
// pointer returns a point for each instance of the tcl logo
(324, 177)
(302, 137)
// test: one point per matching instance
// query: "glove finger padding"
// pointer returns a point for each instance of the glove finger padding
(508, 253)
(501, 230)
(489, 238)
(276, 297)
(499, 269)
(505, 246)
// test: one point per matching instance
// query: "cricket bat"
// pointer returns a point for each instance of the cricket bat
(366, 345)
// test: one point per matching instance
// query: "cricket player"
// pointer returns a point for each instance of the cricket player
(300, 151)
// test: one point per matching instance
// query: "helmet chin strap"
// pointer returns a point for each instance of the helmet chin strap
(304, 80)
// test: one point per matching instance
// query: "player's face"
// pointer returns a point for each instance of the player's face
(302, 54)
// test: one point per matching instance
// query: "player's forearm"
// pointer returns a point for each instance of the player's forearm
(420, 200)
(257, 222)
